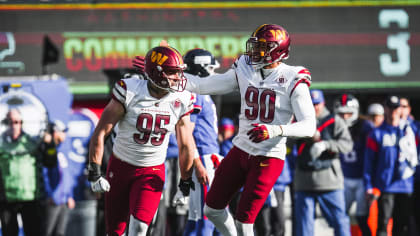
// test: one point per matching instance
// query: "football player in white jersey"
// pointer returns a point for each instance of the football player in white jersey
(271, 93)
(147, 111)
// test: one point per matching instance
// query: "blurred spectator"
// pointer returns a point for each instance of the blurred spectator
(58, 186)
(82, 219)
(406, 110)
(347, 106)
(226, 134)
(376, 114)
(406, 117)
(22, 186)
(390, 158)
(318, 175)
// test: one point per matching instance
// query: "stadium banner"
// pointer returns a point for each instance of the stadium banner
(357, 46)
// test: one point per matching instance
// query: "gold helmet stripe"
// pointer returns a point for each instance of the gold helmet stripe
(180, 60)
(258, 29)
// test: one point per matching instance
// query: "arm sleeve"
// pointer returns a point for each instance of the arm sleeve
(342, 141)
(304, 112)
(369, 161)
(214, 85)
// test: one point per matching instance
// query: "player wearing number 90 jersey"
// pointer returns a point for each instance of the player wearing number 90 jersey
(271, 94)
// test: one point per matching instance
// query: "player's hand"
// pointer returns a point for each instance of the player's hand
(263, 132)
(201, 172)
(138, 63)
(317, 149)
(101, 185)
(185, 186)
(98, 184)
(179, 199)
(372, 195)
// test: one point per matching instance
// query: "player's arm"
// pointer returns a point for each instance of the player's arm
(304, 112)
(186, 148)
(214, 85)
(112, 113)
(200, 170)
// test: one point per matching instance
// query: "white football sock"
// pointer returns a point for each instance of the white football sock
(137, 227)
(245, 229)
(222, 220)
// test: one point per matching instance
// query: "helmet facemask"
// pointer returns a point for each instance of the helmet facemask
(260, 52)
(163, 79)
(268, 44)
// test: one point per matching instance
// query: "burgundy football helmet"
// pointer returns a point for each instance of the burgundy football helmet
(163, 64)
(269, 43)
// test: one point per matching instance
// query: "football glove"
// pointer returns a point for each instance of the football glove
(185, 186)
(98, 184)
(263, 132)
(317, 149)
(138, 64)
(179, 199)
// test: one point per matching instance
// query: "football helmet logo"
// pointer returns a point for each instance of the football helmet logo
(269, 43)
(200, 62)
(164, 68)
(347, 103)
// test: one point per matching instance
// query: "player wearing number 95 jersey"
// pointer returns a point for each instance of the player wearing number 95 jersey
(271, 93)
(147, 111)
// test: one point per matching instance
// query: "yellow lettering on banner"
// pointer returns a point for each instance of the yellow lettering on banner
(157, 57)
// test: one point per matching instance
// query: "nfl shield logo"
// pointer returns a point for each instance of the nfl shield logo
(177, 103)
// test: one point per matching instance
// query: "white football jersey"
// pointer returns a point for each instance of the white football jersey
(266, 101)
(143, 133)
(272, 100)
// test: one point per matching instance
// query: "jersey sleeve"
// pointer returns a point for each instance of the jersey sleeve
(198, 106)
(371, 151)
(303, 76)
(216, 84)
(189, 104)
(122, 91)
(304, 112)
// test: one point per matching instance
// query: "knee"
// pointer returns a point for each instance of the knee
(211, 212)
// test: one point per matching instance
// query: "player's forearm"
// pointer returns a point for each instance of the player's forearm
(96, 148)
(304, 128)
(186, 160)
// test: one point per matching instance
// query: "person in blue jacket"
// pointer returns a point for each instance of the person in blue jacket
(59, 184)
(202, 63)
(226, 135)
(347, 106)
(391, 157)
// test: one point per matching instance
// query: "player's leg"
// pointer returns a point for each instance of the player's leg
(349, 192)
(304, 213)
(137, 227)
(333, 209)
(197, 223)
(262, 174)
(362, 210)
(145, 194)
(229, 177)
(116, 200)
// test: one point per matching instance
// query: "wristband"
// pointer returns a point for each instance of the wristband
(94, 171)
